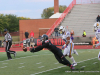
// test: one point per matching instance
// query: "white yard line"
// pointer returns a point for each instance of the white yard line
(4, 67)
(41, 67)
(21, 67)
(21, 63)
(4, 63)
(60, 67)
(56, 63)
(39, 63)
(25, 57)
(82, 66)
(95, 62)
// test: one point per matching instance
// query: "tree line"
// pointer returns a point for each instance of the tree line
(47, 12)
(10, 22)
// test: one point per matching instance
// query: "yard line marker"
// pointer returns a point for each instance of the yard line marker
(39, 63)
(41, 67)
(21, 63)
(95, 62)
(4, 67)
(21, 67)
(26, 56)
(82, 66)
(4, 63)
(22, 57)
(61, 67)
(57, 63)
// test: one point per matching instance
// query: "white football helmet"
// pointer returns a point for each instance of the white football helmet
(96, 26)
(62, 28)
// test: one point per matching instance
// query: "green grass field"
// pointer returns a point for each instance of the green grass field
(44, 63)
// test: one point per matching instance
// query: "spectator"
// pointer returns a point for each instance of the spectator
(32, 41)
(32, 34)
(56, 31)
(98, 18)
(26, 34)
(84, 33)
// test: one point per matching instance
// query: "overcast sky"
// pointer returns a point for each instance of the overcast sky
(28, 8)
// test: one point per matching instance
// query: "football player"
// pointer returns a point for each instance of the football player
(97, 34)
(69, 45)
(55, 50)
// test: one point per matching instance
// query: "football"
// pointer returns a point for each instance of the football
(25, 49)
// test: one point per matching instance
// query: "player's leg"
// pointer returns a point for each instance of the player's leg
(74, 51)
(70, 51)
(11, 52)
(65, 51)
(67, 63)
(60, 57)
(7, 51)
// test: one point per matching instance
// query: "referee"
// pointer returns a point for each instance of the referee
(8, 40)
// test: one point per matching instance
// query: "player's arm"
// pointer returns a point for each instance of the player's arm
(68, 40)
(39, 48)
(6, 38)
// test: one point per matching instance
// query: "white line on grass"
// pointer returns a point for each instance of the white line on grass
(4, 67)
(25, 57)
(60, 67)
(39, 63)
(41, 67)
(56, 63)
(21, 67)
(95, 62)
(21, 63)
(82, 66)
(4, 63)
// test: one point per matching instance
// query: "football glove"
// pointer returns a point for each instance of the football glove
(63, 47)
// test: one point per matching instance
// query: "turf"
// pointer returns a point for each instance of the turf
(44, 63)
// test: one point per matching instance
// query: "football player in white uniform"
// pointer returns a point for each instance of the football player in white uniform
(69, 45)
(97, 34)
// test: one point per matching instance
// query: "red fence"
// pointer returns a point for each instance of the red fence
(87, 1)
(59, 20)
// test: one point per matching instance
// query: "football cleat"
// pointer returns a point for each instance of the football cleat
(15, 54)
(74, 64)
(72, 68)
(75, 52)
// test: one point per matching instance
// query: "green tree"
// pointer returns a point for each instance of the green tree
(47, 12)
(10, 22)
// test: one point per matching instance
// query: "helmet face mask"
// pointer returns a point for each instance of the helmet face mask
(44, 37)
(61, 28)
(96, 26)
